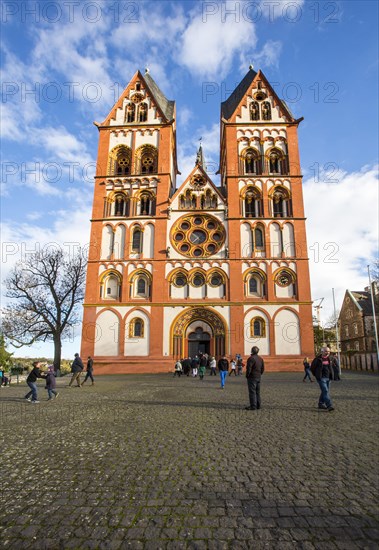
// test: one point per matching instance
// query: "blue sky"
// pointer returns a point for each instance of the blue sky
(64, 65)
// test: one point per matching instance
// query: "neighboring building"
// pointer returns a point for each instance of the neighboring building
(173, 272)
(356, 321)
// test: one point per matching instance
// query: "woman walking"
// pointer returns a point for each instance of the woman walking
(307, 369)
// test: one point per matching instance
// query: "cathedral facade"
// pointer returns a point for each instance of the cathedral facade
(174, 272)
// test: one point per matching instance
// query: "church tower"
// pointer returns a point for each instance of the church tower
(174, 272)
(261, 178)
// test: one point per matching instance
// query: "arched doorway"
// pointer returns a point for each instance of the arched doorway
(187, 340)
(198, 342)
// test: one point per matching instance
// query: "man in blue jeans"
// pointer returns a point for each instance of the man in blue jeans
(223, 367)
(322, 369)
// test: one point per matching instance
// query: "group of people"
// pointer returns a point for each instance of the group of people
(198, 365)
(77, 368)
(324, 368)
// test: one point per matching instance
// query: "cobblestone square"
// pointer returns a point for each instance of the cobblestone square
(152, 461)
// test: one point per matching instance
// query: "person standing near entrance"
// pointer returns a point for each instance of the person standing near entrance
(223, 367)
(254, 369)
(203, 365)
(212, 366)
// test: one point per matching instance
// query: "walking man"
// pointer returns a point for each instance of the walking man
(322, 369)
(89, 371)
(76, 369)
(31, 381)
(254, 369)
(223, 367)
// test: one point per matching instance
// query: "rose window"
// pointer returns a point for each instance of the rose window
(198, 236)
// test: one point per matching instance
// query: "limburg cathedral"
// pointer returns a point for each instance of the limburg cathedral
(174, 272)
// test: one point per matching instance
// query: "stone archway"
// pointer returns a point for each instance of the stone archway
(179, 340)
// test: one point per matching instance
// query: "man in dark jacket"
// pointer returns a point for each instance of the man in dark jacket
(322, 369)
(31, 381)
(76, 369)
(89, 371)
(223, 367)
(254, 369)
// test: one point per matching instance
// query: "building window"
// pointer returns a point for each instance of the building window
(136, 328)
(356, 346)
(277, 163)
(137, 240)
(146, 204)
(198, 280)
(253, 203)
(258, 239)
(281, 203)
(130, 112)
(355, 328)
(266, 110)
(180, 280)
(146, 160)
(257, 328)
(141, 286)
(142, 112)
(254, 110)
(252, 164)
(110, 286)
(254, 285)
(120, 205)
(346, 331)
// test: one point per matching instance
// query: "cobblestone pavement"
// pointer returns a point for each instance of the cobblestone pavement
(152, 461)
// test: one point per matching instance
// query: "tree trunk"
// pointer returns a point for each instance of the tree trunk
(57, 352)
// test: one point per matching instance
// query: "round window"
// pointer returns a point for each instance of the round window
(216, 280)
(198, 280)
(198, 236)
(180, 280)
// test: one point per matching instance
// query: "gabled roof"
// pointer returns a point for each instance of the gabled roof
(165, 106)
(230, 105)
(363, 299)
(197, 168)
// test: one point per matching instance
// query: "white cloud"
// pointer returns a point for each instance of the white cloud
(342, 233)
(209, 44)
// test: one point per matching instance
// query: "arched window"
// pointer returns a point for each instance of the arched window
(146, 205)
(252, 164)
(252, 203)
(257, 328)
(266, 110)
(110, 286)
(281, 203)
(141, 286)
(188, 201)
(130, 112)
(255, 284)
(258, 239)
(142, 112)
(254, 110)
(120, 161)
(121, 205)
(277, 163)
(137, 240)
(136, 328)
(140, 283)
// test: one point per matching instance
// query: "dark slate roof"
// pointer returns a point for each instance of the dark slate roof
(167, 106)
(230, 105)
(364, 300)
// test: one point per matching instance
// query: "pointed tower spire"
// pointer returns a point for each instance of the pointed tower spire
(200, 156)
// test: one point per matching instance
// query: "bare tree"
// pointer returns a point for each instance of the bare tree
(49, 288)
